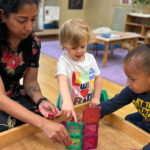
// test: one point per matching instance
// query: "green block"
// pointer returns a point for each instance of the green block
(58, 102)
(104, 96)
(75, 128)
(76, 143)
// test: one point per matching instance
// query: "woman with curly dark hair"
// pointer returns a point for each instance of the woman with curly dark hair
(19, 58)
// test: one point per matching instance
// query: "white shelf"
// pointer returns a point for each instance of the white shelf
(42, 17)
(47, 32)
(140, 15)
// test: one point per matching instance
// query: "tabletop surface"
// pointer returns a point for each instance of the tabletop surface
(114, 134)
(109, 138)
(115, 35)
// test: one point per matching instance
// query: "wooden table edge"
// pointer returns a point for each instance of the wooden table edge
(17, 133)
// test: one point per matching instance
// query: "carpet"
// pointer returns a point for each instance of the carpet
(112, 72)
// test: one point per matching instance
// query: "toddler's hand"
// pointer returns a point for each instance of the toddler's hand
(68, 110)
(80, 117)
(94, 102)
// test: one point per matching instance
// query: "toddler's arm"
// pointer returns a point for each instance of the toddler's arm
(67, 106)
(97, 91)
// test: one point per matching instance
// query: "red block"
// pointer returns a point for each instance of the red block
(91, 115)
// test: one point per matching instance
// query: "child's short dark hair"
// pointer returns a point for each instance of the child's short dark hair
(141, 57)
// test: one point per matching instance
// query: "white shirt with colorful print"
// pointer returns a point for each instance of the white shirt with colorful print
(80, 76)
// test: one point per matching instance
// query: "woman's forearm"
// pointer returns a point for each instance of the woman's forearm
(33, 90)
(19, 112)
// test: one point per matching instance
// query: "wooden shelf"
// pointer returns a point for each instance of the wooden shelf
(139, 24)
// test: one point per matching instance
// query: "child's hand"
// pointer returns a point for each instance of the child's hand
(68, 110)
(80, 117)
(94, 102)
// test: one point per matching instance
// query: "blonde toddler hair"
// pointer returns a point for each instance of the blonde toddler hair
(73, 31)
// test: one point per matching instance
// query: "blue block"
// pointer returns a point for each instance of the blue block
(106, 35)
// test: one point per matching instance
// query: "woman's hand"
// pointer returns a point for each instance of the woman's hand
(49, 110)
(56, 132)
(68, 110)
(94, 102)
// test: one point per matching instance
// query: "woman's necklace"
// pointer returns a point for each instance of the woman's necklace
(14, 44)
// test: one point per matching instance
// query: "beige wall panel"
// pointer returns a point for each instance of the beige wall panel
(101, 12)
(70, 13)
(94, 12)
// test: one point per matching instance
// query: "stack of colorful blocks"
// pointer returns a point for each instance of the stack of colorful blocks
(91, 118)
(84, 135)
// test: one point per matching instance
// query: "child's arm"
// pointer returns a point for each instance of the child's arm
(97, 91)
(67, 106)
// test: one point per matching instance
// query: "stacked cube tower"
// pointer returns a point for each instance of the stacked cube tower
(84, 135)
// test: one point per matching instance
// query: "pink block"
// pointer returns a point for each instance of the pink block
(89, 142)
(90, 129)
(64, 123)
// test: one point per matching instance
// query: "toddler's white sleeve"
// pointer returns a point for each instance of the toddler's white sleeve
(97, 70)
(61, 67)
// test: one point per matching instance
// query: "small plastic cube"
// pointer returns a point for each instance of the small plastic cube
(89, 142)
(104, 96)
(64, 123)
(76, 143)
(91, 115)
(90, 128)
(75, 129)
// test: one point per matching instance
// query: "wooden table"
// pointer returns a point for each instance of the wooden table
(114, 134)
(122, 37)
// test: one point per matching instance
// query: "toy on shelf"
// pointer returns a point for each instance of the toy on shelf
(84, 135)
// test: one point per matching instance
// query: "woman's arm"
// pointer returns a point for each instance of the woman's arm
(67, 107)
(53, 130)
(33, 90)
(31, 85)
(97, 91)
